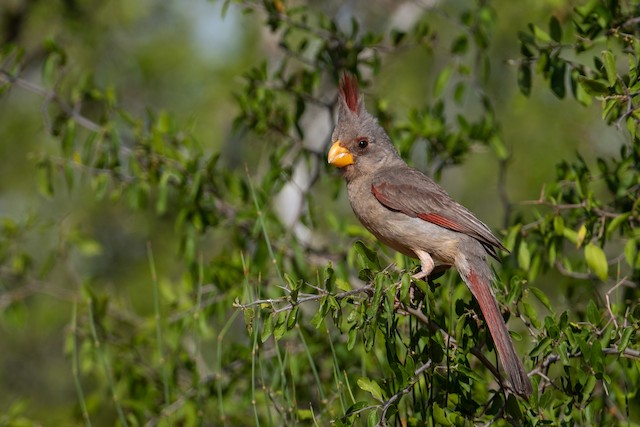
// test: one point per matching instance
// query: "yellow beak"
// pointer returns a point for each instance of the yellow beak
(339, 156)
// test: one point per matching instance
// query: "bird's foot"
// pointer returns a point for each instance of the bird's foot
(416, 295)
(429, 277)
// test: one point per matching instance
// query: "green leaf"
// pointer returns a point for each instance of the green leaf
(69, 138)
(558, 225)
(343, 285)
(368, 256)
(610, 110)
(441, 81)
(372, 387)
(593, 87)
(578, 91)
(626, 337)
(513, 409)
(50, 66)
(531, 313)
(539, 349)
(356, 407)
(524, 256)
(372, 419)
(589, 386)
(539, 33)
(525, 51)
(581, 234)
(553, 331)
(616, 222)
(440, 416)
(405, 286)
(318, 318)
(471, 373)
(524, 78)
(498, 146)
(510, 241)
(89, 247)
(100, 185)
(515, 289)
(555, 29)
(329, 279)
(557, 80)
(610, 66)
(597, 261)
(45, 178)
(459, 92)
(397, 37)
(563, 352)
(597, 356)
(460, 45)
(69, 175)
(541, 297)
(292, 318)
(593, 314)
(280, 326)
(248, 320)
(163, 194)
(305, 414)
(351, 341)
(225, 8)
(630, 252)
(267, 328)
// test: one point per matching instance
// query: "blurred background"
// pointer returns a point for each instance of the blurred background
(180, 66)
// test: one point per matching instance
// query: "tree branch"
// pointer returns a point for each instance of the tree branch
(51, 96)
(434, 327)
(402, 392)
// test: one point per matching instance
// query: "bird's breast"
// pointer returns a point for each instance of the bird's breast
(401, 232)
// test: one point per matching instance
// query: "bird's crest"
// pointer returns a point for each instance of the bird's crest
(349, 92)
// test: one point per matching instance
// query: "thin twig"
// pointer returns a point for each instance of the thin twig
(434, 327)
(273, 301)
(402, 392)
(627, 352)
(608, 299)
(51, 96)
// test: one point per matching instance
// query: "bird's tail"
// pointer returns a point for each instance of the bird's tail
(479, 282)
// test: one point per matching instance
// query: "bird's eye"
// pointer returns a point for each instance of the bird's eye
(363, 143)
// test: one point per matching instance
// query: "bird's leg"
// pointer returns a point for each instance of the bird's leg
(427, 268)
(427, 265)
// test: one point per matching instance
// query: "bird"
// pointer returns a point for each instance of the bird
(408, 211)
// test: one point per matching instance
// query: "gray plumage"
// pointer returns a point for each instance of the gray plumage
(408, 211)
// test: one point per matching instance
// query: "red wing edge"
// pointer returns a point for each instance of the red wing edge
(441, 221)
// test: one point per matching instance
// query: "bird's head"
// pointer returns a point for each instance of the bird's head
(360, 145)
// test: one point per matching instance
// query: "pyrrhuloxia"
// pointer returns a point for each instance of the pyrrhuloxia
(408, 211)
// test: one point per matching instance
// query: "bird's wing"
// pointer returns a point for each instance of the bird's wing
(414, 194)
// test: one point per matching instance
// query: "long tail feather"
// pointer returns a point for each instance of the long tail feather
(481, 289)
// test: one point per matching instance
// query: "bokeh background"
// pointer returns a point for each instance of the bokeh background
(180, 66)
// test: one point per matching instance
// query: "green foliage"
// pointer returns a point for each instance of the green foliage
(184, 298)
